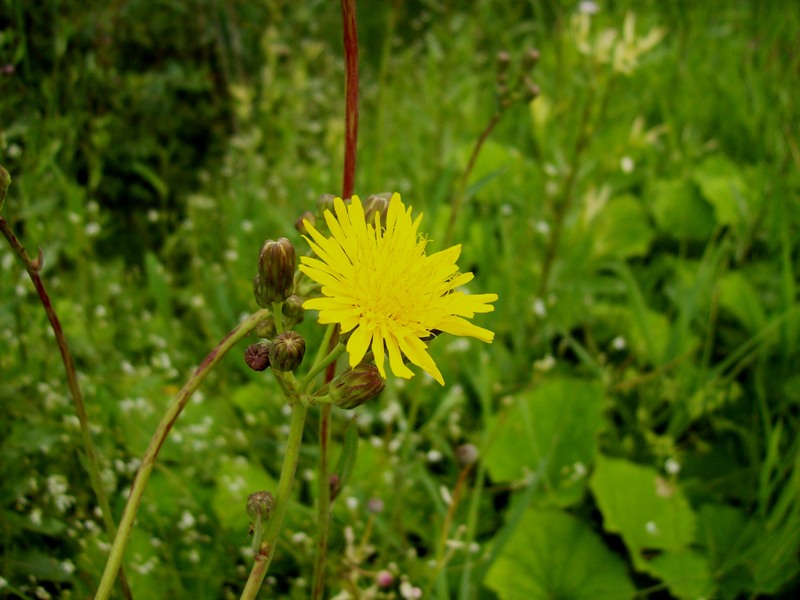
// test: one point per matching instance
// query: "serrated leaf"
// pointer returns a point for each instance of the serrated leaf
(554, 555)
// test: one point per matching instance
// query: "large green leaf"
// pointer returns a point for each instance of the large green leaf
(722, 184)
(680, 211)
(647, 510)
(550, 431)
(554, 555)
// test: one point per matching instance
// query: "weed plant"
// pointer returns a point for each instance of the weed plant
(632, 430)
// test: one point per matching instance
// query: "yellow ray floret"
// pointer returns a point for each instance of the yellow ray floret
(378, 283)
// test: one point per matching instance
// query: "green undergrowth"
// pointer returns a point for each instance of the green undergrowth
(636, 416)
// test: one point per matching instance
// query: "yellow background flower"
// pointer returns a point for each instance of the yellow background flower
(379, 284)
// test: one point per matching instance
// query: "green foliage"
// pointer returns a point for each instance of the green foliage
(634, 419)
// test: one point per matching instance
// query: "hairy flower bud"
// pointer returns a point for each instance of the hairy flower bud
(276, 266)
(287, 351)
(356, 386)
(260, 504)
(325, 202)
(266, 328)
(376, 204)
(257, 356)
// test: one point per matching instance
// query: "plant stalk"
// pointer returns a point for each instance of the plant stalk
(160, 436)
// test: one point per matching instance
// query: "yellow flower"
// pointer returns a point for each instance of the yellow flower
(379, 283)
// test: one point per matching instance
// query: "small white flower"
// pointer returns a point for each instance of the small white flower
(626, 164)
(92, 229)
(651, 528)
(672, 466)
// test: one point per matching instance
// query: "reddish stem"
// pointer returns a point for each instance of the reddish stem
(351, 95)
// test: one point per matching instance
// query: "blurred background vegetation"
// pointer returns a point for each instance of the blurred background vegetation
(636, 417)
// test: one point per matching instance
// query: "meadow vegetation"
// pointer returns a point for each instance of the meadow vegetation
(631, 431)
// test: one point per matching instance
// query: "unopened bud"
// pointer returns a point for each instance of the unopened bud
(257, 356)
(529, 89)
(377, 204)
(384, 578)
(356, 386)
(293, 308)
(287, 351)
(467, 454)
(529, 59)
(502, 60)
(276, 266)
(375, 505)
(266, 328)
(325, 202)
(300, 223)
(260, 504)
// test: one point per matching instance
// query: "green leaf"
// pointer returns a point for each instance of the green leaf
(738, 297)
(554, 555)
(621, 229)
(687, 573)
(551, 431)
(680, 211)
(647, 510)
(721, 183)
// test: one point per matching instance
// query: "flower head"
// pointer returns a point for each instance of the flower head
(378, 283)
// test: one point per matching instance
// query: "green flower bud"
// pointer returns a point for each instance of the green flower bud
(325, 202)
(293, 308)
(266, 328)
(376, 204)
(287, 351)
(530, 90)
(529, 59)
(257, 355)
(260, 504)
(276, 266)
(356, 386)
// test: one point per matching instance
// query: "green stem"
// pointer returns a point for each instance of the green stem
(323, 504)
(92, 462)
(150, 455)
(319, 366)
(292, 457)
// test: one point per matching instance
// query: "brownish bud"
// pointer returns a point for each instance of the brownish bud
(287, 351)
(356, 386)
(377, 204)
(260, 504)
(529, 59)
(276, 266)
(257, 356)
(300, 223)
(529, 89)
(502, 60)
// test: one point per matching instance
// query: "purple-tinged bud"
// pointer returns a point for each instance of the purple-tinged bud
(384, 578)
(287, 351)
(260, 504)
(276, 266)
(300, 225)
(376, 204)
(257, 356)
(375, 505)
(356, 386)
(335, 485)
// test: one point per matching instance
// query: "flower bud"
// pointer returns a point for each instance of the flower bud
(467, 454)
(257, 356)
(376, 204)
(266, 328)
(293, 308)
(260, 504)
(529, 59)
(287, 351)
(325, 202)
(384, 578)
(276, 267)
(300, 225)
(356, 386)
(530, 90)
